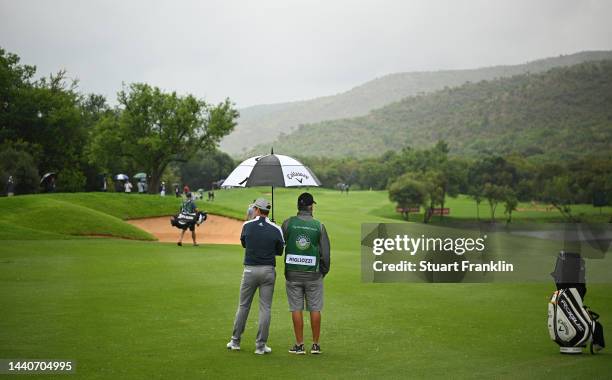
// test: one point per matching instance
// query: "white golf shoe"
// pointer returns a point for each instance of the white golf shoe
(263, 350)
(232, 346)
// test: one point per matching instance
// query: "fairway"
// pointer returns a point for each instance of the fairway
(143, 309)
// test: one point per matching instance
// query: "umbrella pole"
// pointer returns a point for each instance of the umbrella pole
(272, 203)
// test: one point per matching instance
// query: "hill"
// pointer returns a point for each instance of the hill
(264, 123)
(74, 215)
(562, 112)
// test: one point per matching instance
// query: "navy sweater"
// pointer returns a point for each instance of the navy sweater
(262, 240)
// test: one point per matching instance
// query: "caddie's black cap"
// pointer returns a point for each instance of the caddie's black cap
(305, 199)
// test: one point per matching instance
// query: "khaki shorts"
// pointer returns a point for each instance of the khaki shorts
(308, 292)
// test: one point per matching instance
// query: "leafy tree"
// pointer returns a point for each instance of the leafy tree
(407, 193)
(372, 175)
(476, 186)
(452, 180)
(494, 194)
(70, 180)
(510, 203)
(434, 182)
(47, 117)
(21, 166)
(560, 193)
(205, 168)
(152, 128)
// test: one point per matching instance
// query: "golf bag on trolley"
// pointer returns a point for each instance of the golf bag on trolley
(184, 220)
(571, 324)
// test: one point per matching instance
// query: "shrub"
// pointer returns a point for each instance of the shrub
(71, 181)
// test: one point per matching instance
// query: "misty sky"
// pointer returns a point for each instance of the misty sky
(267, 51)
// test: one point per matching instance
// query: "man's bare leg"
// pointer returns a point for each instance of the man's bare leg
(315, 323)
(180, 242)
(193, 236)
(298, 326)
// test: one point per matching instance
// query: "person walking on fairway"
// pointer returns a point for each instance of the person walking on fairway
(263, 241)
(307, 261)
(190, 207)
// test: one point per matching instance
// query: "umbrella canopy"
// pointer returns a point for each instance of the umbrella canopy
(46, 176)
(271, 170)
(140, 175)
(121, 177)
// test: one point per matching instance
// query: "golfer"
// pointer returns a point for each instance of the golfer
(307, 261)
(190, 207)
(263, 241)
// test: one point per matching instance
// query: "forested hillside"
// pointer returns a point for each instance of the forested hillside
(264, 123)
(563, 112)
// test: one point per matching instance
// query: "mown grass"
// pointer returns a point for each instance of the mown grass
(137, 309)
(127, 309)
(70, 215)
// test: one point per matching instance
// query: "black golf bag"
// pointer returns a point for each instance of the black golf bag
(571, 324)
(184, 220)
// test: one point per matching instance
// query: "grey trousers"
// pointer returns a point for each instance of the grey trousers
(255, 277)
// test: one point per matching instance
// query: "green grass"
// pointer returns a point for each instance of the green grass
(138, 309)
(464, 208)
(67, 216)
(33, 217)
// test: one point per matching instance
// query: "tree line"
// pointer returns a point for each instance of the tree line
(426, 177)
(48, 125)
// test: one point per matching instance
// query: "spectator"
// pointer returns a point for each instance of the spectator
(10, 187)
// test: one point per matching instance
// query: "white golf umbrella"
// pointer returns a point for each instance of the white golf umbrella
(121, 177)
(271, 170)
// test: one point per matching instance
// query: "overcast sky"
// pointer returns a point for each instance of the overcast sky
(266, 51)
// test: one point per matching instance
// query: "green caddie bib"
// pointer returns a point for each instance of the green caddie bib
(302, 252)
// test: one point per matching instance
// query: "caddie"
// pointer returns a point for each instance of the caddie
(307, 261)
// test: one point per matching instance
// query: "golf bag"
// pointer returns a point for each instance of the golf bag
(571, 324)
(184, 220)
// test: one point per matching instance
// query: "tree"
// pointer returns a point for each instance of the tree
(434, 182)
(407, 193)
(205, 168)
(452, 180)
(21, 166)
(494, 194)
(491, 178)
(152, 128)
(476, 186)
(47, 117)
(559, 192)
(510, 203)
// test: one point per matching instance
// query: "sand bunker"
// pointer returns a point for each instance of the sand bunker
(215, 230)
